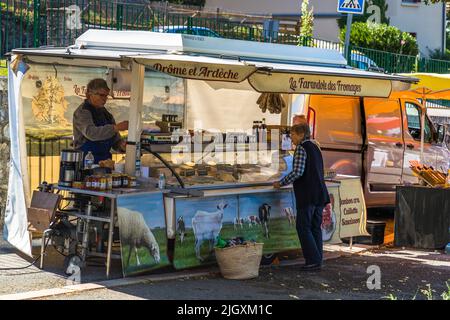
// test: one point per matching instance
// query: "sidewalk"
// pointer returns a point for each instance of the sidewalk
(33, 282)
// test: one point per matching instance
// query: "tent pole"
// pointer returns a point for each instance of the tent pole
(135, 118)
(422, 128)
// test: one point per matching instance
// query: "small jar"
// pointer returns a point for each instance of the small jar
(124, 181)
(77, 185)
(88, 183)
(117, 181)
(95, 183)
(102, 184)
(109, 182)
(132, 183)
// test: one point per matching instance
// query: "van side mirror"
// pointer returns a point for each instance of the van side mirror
(440, 133)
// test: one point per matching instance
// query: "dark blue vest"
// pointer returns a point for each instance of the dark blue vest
(310, 188)
(100, 149)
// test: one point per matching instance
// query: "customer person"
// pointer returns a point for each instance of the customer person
(94, 127)
(311, 194)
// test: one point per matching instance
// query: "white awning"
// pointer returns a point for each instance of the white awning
(266, 67)
(276, 77)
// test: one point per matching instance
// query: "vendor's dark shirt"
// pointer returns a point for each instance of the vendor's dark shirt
(87, 127)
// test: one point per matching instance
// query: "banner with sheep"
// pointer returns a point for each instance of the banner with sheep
(142, 229)
(264, 217)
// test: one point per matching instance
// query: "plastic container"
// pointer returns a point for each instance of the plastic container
(376, 231)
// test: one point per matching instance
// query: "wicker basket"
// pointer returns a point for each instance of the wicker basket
(240, 262)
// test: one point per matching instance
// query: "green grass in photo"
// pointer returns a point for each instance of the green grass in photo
(147, 262)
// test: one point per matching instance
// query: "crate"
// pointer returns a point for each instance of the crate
(240, 262)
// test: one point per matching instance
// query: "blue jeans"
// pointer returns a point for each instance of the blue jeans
(309, 221)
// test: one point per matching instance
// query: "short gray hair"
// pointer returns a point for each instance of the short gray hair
(302, 128)
(96, 84)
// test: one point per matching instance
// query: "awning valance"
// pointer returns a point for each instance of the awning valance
(276, 77)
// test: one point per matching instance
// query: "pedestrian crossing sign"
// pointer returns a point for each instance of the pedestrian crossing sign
(351, 6)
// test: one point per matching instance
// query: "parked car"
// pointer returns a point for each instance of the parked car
(199, 31)
(360, 61)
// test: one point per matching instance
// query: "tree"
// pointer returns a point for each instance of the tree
(382, 37)
(307, 20)
(371, 10)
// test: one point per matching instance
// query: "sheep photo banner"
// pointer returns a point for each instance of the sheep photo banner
(267, 218)
(143, 237)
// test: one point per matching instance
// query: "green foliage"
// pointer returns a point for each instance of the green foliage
(438, 55)
(390, 297)
(382, 37)
(427, 293)
(244, 32)
(3, 68)
(446, 295)
(307, 20)
(342, 22)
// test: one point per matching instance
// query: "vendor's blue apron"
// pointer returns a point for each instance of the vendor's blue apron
(100, 149)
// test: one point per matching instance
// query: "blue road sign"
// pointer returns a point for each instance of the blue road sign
(351, 6)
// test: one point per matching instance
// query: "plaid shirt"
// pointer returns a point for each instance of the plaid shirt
(298, 166)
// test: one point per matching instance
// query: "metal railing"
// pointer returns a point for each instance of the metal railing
(33, 23)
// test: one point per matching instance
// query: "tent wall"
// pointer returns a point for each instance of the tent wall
(16, 222)
(223, 109)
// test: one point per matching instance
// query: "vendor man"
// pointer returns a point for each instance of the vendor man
(94, 128)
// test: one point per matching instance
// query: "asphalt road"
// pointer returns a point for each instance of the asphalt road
(403, 275)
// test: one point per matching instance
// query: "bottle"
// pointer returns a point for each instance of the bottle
(138, 159)
(162, 181)
(263, 131)
(89, 160)
(255, 131)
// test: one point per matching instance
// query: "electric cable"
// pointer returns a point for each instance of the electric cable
(31, 264)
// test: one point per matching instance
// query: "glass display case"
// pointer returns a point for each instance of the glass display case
(216, 165)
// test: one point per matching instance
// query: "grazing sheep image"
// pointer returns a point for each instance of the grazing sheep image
(135, 233)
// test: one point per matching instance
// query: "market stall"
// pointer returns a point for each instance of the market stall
(211, 160)
(422, 210)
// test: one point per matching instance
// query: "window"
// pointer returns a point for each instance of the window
(413, 113)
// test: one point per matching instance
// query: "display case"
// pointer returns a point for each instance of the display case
(216, 165)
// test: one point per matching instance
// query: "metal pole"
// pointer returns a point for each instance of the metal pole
(85, 244)
(110, 237)
(422, 128)
(351, 243)
(36, 8)
(347, 37)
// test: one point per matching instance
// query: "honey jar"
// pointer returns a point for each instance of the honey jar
(124, 181)
(132, 182)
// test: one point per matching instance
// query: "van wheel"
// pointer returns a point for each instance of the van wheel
(268, 258)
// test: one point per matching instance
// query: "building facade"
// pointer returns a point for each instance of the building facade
(426, 23)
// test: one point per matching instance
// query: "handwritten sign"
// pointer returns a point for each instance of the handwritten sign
(318, 84)
(353, 209)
